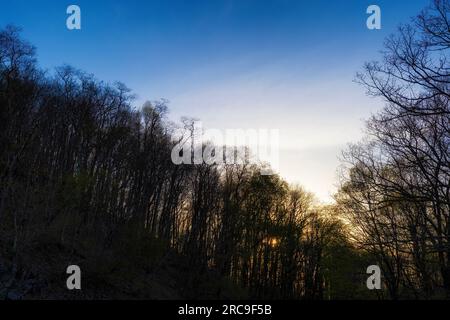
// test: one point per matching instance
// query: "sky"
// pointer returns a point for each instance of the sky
(233, 64)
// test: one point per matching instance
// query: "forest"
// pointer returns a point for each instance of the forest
(86, 178)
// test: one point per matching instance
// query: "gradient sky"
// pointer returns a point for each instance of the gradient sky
(284, 64)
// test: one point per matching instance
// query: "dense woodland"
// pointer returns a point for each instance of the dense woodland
(86, 178)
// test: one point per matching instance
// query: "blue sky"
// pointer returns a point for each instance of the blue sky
(284, 64)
